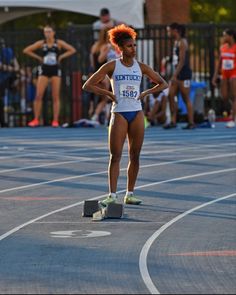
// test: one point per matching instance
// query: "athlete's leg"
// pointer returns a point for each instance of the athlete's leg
(153, 112)
(173, 91)
(56, 84)
(99, 108)
(117, 135)
(42, 84)
(184, 88)
(135, 142)
(161, 116)
(225, 93)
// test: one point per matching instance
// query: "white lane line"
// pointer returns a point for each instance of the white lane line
(105, 171)
(144, 252)
(37, 154)
(62, 155)
(70, 162)
(108, 221)
(17, 228)
(29, 152)
(52, 164)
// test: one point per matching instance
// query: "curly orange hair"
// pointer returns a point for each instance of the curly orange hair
(120, 33)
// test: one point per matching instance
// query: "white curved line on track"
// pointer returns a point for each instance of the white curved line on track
(104, 172)
(17, 228)
(144, 252)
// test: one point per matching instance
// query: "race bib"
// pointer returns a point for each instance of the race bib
(227, 64)
(129, 91)
(187, 83)
(50, 59)
(175, 60)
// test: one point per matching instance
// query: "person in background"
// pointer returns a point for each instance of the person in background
(156, 105)
(94, 66)
(227, 66)
(49, 71)
(107, 53)
(181, 78)
(105, 21)
(127, 118)
(9, 67)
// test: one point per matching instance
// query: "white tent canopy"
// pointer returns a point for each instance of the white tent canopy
(128, 11)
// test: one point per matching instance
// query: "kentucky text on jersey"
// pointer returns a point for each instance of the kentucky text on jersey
(127, 78)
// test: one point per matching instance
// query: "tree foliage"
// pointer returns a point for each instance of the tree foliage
(217, 11)
(61, 19)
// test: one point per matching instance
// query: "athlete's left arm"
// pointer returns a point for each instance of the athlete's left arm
(161, 84)
(69, 50)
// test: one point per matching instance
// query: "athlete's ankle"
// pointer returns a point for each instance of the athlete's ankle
(113, 195)
(129, 193)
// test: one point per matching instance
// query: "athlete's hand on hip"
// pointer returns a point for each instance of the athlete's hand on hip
(40, 59)
(59, 59)
(112, 97)
(142, 95)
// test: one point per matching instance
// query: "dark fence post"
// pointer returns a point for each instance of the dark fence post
(211, 44)
(153, 46)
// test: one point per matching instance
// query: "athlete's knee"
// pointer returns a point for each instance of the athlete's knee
(39, 97)
(115, 158)
(56, 98)
(134, 156)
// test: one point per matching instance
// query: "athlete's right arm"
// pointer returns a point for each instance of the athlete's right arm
(93, 83)
(29, 50)
(217, 71)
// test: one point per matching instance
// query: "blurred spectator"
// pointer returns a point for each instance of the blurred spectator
(181, 78)
(95, 64)
(156, 107)
(105, 21)
(227, 66)
(105, 54)
(9, 67)
(29, 86)
(49, 71)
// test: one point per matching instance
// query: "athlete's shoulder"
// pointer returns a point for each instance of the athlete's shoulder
(40, 42)
(60, 42)
(108, 66)
(224, 47)
(144, 67)
(111, 63)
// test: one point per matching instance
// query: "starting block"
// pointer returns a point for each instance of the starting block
(111, 211)
(90, 207)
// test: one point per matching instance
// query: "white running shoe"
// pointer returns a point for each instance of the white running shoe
(230, 124)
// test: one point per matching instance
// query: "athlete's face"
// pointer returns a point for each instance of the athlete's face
(170, 32)
(48, 33)
(129, 48)
(105, 18)
(226, 38)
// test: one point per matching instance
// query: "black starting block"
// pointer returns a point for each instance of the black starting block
(90, 207)
(113, 210)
